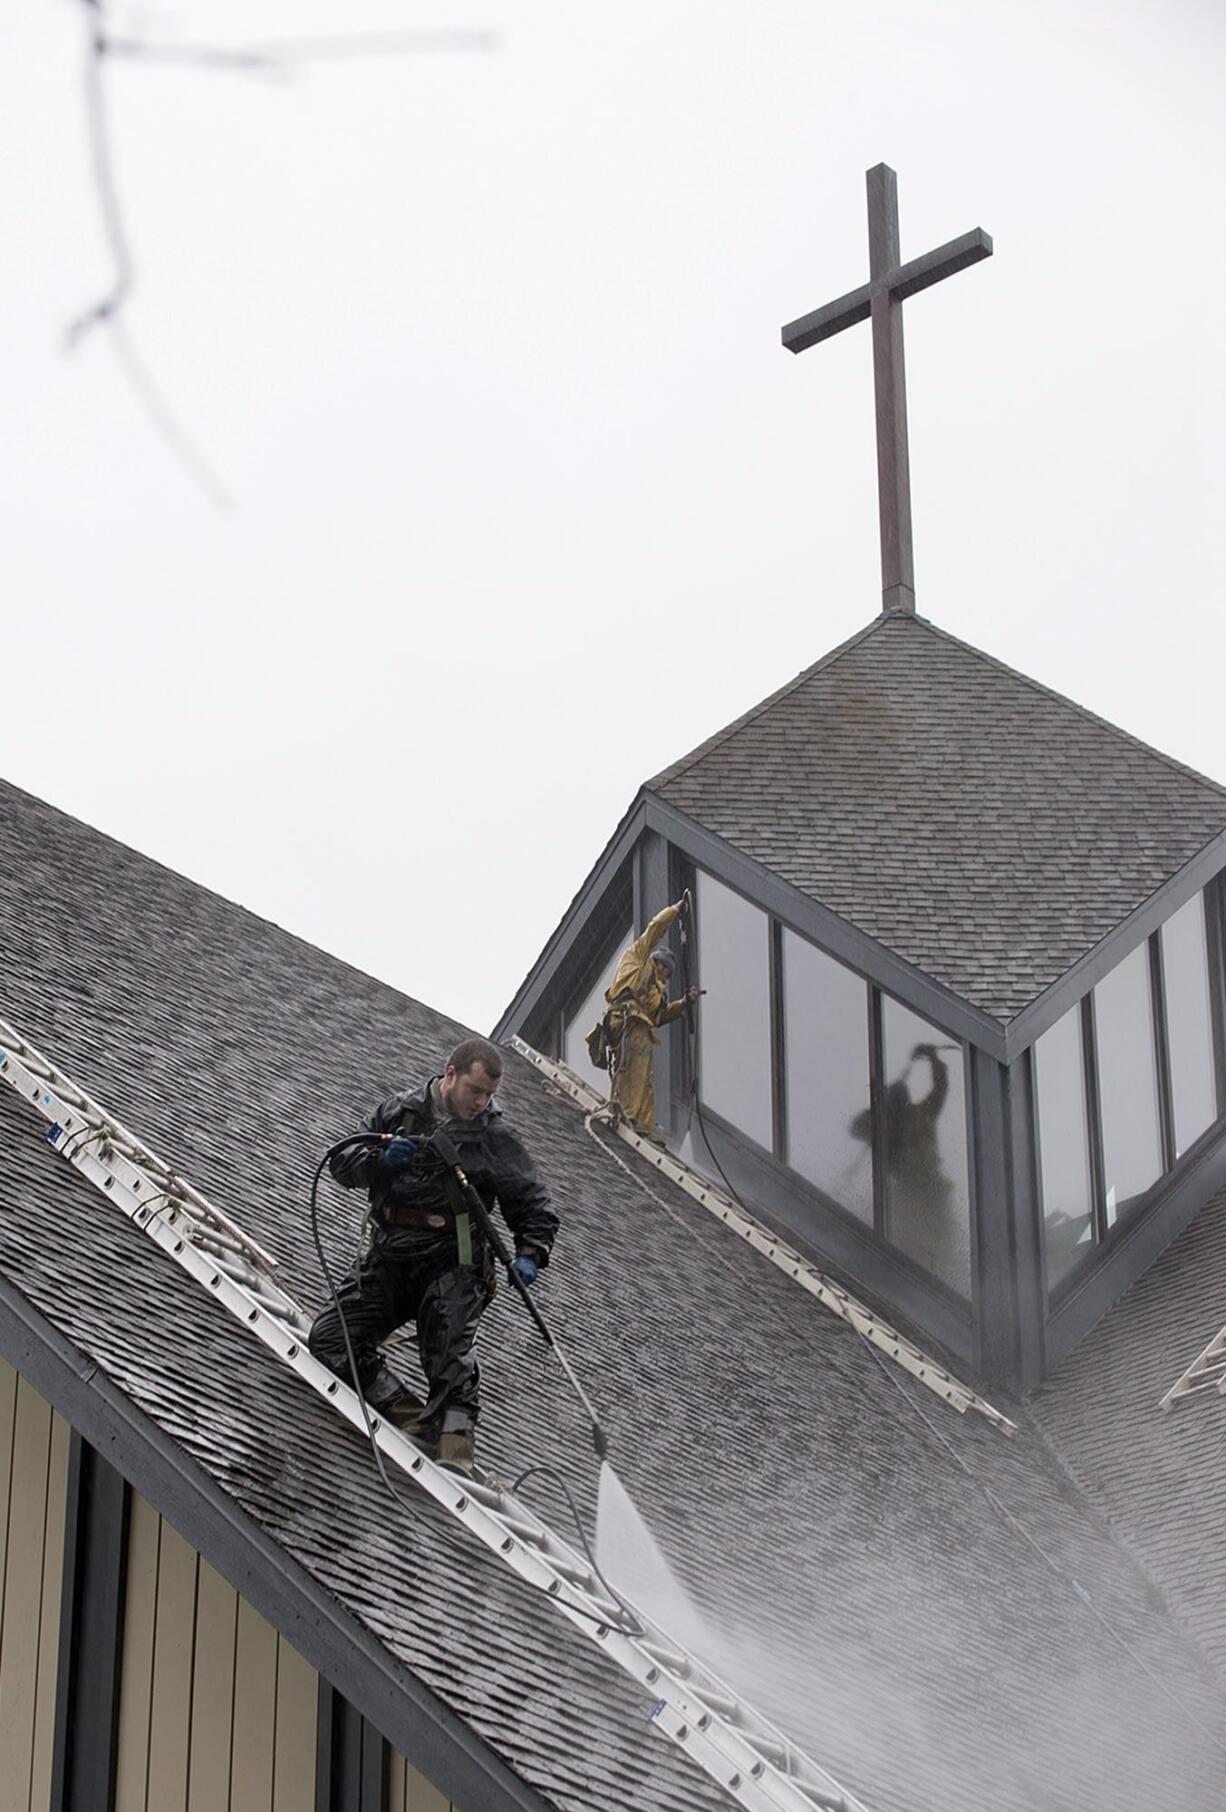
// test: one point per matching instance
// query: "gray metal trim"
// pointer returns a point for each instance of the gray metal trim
(1217, 985)
(397, 1703)
(544, 971)
(1134, 1248)
(1035, 1019)
(930, 999)
(1026, 1226)
(86, 1741)
(651, 878)
(997, 1335)
(350, 1757)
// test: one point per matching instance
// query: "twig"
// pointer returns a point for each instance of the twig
(281, 54)
(105, 313)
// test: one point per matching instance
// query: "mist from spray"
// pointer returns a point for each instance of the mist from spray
(632, 1560)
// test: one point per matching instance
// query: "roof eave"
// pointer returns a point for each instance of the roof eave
(1043, 1012)
(562, 940)
(419, 1724)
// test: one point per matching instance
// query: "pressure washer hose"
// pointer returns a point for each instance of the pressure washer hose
(629, 1624)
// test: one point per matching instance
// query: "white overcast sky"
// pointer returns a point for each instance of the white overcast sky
(528, 498)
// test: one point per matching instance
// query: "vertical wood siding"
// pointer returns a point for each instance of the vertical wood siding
(217, 1712)
(33, 1488)
(409, 1791)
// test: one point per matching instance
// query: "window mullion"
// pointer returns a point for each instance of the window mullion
(1216, 949)
(876, 1086)
(778, 1053)
(1162, 1050)
(1094, 1121)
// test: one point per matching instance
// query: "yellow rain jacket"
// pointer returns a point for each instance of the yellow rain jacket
(637, 1005)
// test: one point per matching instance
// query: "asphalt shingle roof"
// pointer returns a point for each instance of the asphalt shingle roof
(894, 1583)
(978, 825)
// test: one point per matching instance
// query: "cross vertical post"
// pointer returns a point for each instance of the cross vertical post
(890, 387)
(880, 300)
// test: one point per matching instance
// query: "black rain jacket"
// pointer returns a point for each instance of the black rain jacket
(492, 1157)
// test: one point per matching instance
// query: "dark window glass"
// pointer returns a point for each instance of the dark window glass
(1185, 972)
(825, 1019)
(734, 1018)
(1127, 1082)
(1064, 1145)
(584, 1017)
(924, 1108)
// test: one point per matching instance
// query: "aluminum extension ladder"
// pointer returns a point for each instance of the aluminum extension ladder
(746, 1755)
(849, 1308)
(1206, 1372)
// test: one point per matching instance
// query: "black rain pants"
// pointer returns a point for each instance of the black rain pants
(444, 1299)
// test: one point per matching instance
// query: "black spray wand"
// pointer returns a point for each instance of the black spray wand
(446, 1150)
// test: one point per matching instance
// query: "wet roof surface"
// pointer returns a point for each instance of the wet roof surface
(896, 1581)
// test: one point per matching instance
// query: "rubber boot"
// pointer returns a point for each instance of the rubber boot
(405, 1410)
(455, 1449)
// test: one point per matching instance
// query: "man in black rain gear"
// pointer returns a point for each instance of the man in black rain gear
(428, 1261)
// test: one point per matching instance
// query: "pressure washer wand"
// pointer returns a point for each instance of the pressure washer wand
(446, 1150)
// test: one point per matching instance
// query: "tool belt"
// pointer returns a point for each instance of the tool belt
(391, 1216)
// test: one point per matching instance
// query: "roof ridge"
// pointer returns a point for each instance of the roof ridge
(679, 767)
(1083, 711)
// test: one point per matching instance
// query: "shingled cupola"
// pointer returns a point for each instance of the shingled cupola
(964, 1034)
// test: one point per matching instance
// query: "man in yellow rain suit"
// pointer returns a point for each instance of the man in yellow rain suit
(638, 1003)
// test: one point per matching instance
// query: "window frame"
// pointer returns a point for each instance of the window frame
(1104, 1237)
(685, 873)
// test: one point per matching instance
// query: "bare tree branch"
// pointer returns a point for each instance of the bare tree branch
(253, 59)
(104, 182)
(283, 53)
(105, 313)
(172, 431)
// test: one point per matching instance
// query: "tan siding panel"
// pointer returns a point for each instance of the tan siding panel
(297, 1732)
(173, 1643)
(212, 1693)
(416, 1794)
(49, 1620)
(136, 1689)
(255, 1700)
(8, 1404)
(23, 1591)
(421, 1796)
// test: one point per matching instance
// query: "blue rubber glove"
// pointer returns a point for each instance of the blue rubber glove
(398, 1152)
(526, 1268)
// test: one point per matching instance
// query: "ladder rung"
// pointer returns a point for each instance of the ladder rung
(672, 1659)
(822, 1797)
(528, 1532)
(576, 1576)
(718, 1702)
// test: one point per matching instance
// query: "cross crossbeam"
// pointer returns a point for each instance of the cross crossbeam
(880, 300)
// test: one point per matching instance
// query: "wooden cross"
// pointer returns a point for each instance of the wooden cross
(882, 297)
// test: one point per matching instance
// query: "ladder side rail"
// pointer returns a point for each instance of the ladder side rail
(720, 1748)
(101, 1122)
(703, 1680)
(727, 1753)
(1202, 1374)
